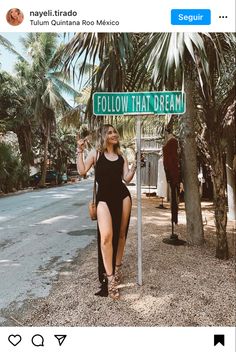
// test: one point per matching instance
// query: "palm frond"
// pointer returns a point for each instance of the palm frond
(8, 45)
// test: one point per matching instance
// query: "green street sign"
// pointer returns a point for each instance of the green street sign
(136, 103)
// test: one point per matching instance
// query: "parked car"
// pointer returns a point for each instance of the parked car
(72, 173)
(52, 178)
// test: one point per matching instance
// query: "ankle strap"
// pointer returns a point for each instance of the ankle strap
(118, 265)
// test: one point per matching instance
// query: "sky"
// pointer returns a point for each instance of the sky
(8, 60)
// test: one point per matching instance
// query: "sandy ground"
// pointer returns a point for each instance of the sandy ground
(182, 285)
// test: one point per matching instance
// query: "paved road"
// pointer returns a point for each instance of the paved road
(39, 232)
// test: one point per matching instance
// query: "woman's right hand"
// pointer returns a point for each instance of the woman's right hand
(81, 145)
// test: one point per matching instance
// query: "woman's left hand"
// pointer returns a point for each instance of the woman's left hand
(134, 166)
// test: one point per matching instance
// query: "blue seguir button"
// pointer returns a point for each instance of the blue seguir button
(190, 17)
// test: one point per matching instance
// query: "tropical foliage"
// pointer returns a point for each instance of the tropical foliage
(190, 61)
(34, 100)
(13, 175)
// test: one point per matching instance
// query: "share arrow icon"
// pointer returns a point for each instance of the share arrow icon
(60, 338)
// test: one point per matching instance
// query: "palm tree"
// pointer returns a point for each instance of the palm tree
(112, 67)
(168, 58)
(214, 110)
(34, 95)
(47, 83)
(182, 55)
(62, 148)
(230, 138)
(8, 45)
(16, 113)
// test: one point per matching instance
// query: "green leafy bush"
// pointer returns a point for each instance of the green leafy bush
(13, 175)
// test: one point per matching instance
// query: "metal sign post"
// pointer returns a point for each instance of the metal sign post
(139, 199)
(138, 103)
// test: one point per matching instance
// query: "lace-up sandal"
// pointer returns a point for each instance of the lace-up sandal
(113, 291)
(118, 274)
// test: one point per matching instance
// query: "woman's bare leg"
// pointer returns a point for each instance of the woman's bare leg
(105, 228)
(124, 223)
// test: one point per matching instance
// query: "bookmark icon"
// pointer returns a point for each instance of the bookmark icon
(219, 339)
(60, 338)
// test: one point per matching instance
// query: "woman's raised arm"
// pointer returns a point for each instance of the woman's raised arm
(84, 165)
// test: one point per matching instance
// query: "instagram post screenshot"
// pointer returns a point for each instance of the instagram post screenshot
(117, 176)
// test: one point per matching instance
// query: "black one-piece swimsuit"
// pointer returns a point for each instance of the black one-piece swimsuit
(112, 190)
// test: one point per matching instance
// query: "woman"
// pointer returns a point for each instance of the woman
(14, 17)
(113, 204)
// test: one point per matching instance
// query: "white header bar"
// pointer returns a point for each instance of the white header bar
(120, 16)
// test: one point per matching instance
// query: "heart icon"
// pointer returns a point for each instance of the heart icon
(14, 339)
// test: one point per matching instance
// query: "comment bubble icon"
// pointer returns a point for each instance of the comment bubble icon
(38, 340)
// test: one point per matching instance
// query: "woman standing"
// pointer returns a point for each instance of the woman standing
(113, 204)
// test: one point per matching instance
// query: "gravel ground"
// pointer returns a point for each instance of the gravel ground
(182, 286)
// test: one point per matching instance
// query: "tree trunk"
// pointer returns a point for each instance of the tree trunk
(45, 158)
(231, 183)
(195, 234)
(217, 163)
(219, 184)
